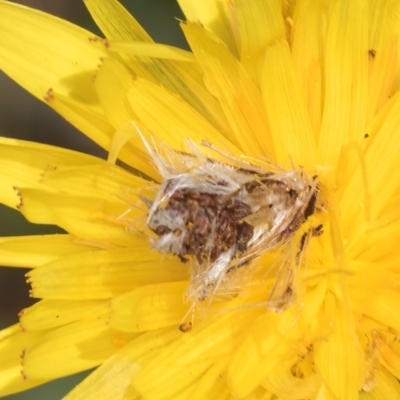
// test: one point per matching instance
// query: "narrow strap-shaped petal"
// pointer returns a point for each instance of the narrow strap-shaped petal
(90, 120)
(338, 354)
(382, 159)
(214, 15)
(258, 353)
(155, 50)
(214, 338)
(212, 385)
(112, 83)
(76, 346)
(389, 353)
(386, 386)
(383, 53)
(91, 218)
(37, 250)
(172, 119)
(264, 347)
(266, 26)
(96, 126)
(104, 273)
(40, 51)
(307, 52)
(103, 180)
(113, 378)
(13, 342)
(240, 98)
(118, 24)
(45, 54)
(179, 77)
(383, 306)
(282, 382)
(290, 125)
(149, 307)
(49, 314)
(345, 79)
(380, 245)
(379, 180)
(164, 113)
(23, 163)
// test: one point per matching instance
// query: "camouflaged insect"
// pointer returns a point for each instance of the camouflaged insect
(221, 217)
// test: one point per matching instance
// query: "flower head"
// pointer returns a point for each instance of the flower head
(298, 105)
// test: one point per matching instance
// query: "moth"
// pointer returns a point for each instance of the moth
(222, 215)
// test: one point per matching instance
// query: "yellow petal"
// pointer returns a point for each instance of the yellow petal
(381, 173)
(189, 84)
(13, 342)
(49, 56)
(40, 51)
(103, 274)
(386, 387)
(75, 347)
(91, 218)
(266, 26)
(114, 203)
(68, 88)
(22, 164)
(388, 353)
(214, 15)
(346, 79)
(112, 84)
(290, 125)
(383, 305)
(395, 34)
(95, 125)
(172, 119)
(382, 160)
(282, 383)
(214, 338)
(307, 49)
(48, 314)
(34, 251)
(101, 180)
(149, 307)
(115, 21)
(155, 50)
(379, 245)
(383, 49)
(182, 78)
(239, 97)
(113, 378)
(89, 120)
(118, 24)
(164, 113)
(212, 385)
(337, 354)
(261, 350)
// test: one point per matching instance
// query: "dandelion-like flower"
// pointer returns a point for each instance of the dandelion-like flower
(295, 103)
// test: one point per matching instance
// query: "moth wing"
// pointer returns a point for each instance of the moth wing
(206, 280)
(289, 287)
(284, 291)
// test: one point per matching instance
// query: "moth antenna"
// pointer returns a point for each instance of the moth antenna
(195, 150)
(146, 201)
(282, 294)
(160, 163)
(217, 150)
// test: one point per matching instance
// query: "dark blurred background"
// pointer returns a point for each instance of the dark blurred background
(24, 117)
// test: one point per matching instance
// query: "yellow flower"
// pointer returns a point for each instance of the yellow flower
(311, 85)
